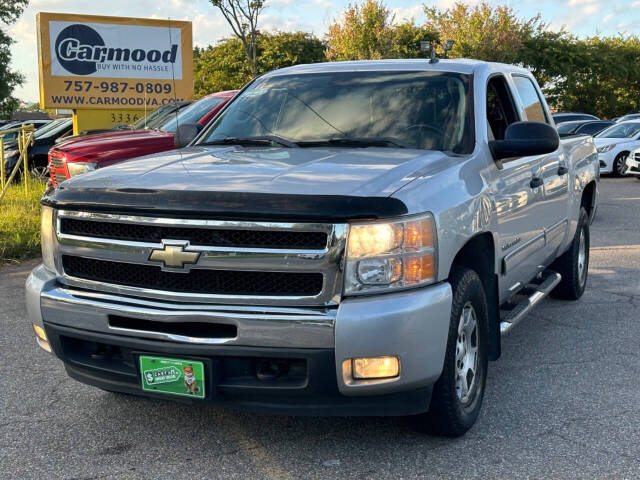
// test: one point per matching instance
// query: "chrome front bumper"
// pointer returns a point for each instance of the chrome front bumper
(633, 166)
(412, 325)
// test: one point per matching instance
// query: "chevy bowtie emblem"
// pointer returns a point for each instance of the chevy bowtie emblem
(174, 256)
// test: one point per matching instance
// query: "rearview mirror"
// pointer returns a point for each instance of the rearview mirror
(185, 133)
(525, 139)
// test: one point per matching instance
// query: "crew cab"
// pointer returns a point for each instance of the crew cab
(347, 238)
(85, 153)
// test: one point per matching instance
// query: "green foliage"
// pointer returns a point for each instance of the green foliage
(224, 66)
(10, 10)
(482, 31)
(368, 31)
(597, 75)
(20, 222)
(242, 16)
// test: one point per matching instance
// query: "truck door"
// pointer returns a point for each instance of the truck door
(517, 197)
(554, 171)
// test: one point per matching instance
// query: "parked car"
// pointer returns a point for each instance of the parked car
(583, 127)
(148, 122)
(13, 136)
(561, 117)
(633, 163)
(342, 239)
(43, 139)
(85, 153)
(626, 118)
(614, 145)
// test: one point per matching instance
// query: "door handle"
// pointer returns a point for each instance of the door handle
(536, 182)
(562, 170)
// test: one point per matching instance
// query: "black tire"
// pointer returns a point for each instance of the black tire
(619, 164)
(574, 274)
(450, 414)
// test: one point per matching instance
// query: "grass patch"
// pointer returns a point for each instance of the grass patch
(20, 222)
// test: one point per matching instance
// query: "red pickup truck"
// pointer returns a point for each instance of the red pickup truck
(85, 153)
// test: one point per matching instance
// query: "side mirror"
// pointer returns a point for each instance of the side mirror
(525, 139)
(186, 133)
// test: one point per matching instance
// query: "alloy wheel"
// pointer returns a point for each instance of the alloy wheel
(466, 352)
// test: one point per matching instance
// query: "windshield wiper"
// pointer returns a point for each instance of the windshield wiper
(356, 142)
(258, 140)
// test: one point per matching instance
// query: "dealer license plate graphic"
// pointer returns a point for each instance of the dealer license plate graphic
(173, 376)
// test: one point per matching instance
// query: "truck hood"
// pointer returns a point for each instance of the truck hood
(304, 171)
(91, 145)
(252, 178)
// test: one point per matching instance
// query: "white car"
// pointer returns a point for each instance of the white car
(633, 163)
(614, 145)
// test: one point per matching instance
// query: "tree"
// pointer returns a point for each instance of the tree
(224, 66)
(368, 31)
(597, 75)
(493, 34)
(242, 16)
(10, 11)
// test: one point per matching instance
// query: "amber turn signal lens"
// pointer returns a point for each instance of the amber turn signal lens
(418, 268)
(418, 235)
(41, 338)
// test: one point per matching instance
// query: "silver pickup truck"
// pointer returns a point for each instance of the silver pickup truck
(343, 239)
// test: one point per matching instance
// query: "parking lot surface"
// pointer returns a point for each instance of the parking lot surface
(562, 401)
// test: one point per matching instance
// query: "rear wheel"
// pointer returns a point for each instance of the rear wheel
(457, 395)
(573, 265)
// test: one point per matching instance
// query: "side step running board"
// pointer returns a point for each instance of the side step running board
(523, 302)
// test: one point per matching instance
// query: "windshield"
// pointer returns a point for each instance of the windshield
(156, 117)
(621, 130)
(52, 128)
(567, 127)
(192, 114)
(425, 110)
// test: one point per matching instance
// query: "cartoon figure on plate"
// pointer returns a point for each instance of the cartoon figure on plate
(190, 380)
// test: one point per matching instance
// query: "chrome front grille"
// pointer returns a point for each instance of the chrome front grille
(250, 263)
(221, 237)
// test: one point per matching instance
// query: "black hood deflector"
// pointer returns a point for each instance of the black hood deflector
(224, 205)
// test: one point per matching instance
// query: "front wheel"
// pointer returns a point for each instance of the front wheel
(457, 395)
(40, 172)
(620, 164)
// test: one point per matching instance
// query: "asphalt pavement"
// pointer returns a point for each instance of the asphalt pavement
(561, 402)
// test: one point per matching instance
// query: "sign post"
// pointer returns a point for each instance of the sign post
(112, 65)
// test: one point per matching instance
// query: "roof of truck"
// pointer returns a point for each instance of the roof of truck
(458, 65)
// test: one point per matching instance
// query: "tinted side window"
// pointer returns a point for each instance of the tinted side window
(592, 128)
(531, 101)
(500, 107)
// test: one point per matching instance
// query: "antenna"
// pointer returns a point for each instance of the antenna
(173, 78)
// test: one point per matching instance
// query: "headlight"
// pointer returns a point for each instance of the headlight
(78, 168)
(47, 238)
(384, 256)
(606, 148)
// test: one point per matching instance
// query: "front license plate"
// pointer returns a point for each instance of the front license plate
(173, 376)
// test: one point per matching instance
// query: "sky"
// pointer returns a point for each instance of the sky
(581, 17)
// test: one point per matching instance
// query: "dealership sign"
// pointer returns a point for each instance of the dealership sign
(90, 62)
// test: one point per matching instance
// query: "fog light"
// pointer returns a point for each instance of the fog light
(375, 367)
(41, 338)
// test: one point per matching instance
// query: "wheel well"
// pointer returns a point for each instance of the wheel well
(588, 200)
(478, 254)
